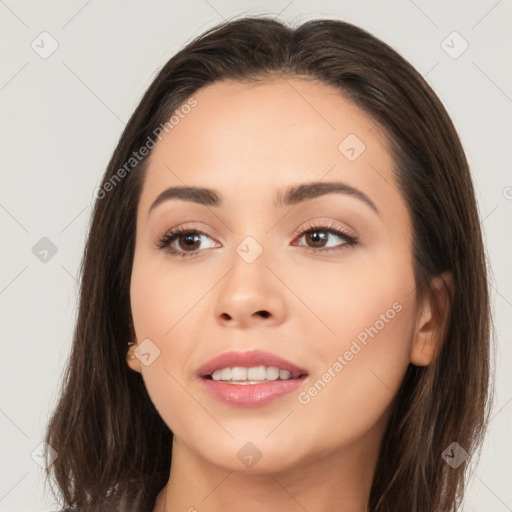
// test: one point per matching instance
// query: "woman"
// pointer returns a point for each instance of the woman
(284, 300)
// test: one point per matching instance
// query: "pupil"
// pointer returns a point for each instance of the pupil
(190, 240)
(318, 236)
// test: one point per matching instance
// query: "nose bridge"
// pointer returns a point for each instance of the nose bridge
(250, 291)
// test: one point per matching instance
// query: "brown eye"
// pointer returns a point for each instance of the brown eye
(319, 238)
(189, 241)
(184, 241)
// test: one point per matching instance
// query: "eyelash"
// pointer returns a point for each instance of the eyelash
(168, 238)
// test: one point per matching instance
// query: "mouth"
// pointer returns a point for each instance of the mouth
(250, 379)
(252, 365)
(252, 375)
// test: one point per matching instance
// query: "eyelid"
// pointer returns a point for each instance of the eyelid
(327, 225)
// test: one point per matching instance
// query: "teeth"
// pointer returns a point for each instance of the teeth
(253, 374)
(225, 374)
(272, 373)
(284, 374)
(238, 373)
(256, 373)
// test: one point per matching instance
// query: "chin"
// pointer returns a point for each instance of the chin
(252, 457)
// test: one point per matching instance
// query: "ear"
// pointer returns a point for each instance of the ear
(432, 320)
(132, 361)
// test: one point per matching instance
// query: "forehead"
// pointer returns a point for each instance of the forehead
(269, 134)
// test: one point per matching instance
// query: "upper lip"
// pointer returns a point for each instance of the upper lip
(248, 359)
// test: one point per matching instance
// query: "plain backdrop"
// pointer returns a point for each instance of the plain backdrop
(73, 71)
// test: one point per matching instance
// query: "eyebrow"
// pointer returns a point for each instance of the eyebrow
(292, 196)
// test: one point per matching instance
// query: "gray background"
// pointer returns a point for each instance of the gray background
(63, 114)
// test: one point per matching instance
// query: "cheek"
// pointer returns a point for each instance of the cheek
(362, 362)
(356, 386)
(166, 306)
(369, 291)
(163, 298)
(360, 340)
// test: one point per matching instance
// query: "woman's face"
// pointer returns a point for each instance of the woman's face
(338, 301)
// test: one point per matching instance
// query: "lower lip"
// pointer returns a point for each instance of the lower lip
(251, 395)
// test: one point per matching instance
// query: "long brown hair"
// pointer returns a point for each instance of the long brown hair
(113, 448)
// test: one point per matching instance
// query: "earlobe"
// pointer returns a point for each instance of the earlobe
(131, 359)
(432, 321)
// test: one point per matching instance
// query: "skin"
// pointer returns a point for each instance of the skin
(249, 142)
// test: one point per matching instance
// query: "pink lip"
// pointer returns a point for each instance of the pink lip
(250, 395)
(248, 359)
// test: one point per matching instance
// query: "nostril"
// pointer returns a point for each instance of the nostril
(264, 314)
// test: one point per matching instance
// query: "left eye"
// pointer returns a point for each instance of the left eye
(319, 238)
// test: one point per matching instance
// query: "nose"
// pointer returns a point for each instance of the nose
(250, 295)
